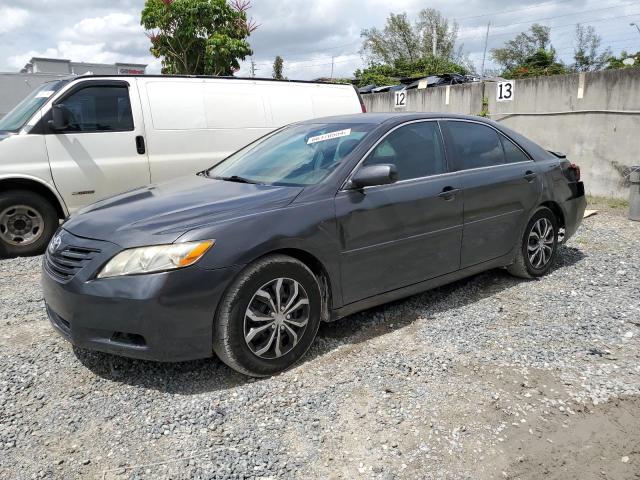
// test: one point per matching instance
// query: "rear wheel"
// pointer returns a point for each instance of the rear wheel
(27, 223)
(539, 245)
(269, 317)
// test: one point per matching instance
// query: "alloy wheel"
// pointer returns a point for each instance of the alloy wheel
(21, 225)
(541, 243)
(276, 318)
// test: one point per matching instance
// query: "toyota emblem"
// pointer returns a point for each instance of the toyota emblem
(55, 244)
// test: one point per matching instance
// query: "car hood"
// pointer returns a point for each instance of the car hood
(163, 212)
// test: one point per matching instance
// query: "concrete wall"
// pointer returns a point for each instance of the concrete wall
(15, 86)
(599, 131)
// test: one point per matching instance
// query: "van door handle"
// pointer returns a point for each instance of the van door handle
(140, 145)
(529, 176)
(448, 193)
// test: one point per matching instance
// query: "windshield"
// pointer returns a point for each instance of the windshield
(298, 155)
(16, 118)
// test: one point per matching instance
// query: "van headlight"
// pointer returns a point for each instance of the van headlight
(156, 258)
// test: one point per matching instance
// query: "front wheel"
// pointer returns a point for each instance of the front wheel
(268, 317)
(538, 248)
(27, 223)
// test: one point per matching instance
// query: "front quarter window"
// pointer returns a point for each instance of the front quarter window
(298, 155)
(21, 113)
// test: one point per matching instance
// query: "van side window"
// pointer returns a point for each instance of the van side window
(472, 145)
(511, 152)
(415, 149)
(99, 109)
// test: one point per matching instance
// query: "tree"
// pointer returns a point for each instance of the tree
(278, 68)
(585, 54)
(198, 37)
(516, 52)
(384, 74)
(541, 63)
(403, 40)
(618, 62)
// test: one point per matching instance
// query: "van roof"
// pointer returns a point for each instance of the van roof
(260, 79)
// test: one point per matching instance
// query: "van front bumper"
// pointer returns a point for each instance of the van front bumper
(164, 316)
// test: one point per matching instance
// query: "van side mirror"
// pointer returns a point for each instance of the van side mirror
(372, 175)
(59, 118)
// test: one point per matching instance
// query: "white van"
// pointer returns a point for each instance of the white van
(75, 141)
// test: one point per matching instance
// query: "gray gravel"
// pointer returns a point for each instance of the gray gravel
(441, 385)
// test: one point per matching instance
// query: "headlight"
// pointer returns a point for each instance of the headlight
(155, 259)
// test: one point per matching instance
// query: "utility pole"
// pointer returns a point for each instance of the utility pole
(484, 54)
(254, 69)
(332, 58)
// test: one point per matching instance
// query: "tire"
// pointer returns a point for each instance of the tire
(22, 208)
(244, 326)
(541, 259)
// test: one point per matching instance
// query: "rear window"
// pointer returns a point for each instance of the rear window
(472, 145)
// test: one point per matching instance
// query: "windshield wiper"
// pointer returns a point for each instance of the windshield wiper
(238, 179)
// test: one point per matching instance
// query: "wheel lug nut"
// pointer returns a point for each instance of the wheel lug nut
(273, 326)
(281, 327)
(288, 317)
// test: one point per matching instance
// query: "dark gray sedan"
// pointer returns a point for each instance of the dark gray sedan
(311, 223)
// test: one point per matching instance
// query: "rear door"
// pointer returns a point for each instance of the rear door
(102, 152)
(500, 184)
(396, 235)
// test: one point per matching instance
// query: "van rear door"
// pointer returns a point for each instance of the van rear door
(102, 150)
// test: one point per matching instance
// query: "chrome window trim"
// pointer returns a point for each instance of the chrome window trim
(344, 188)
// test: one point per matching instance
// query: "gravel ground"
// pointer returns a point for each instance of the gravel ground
(490, 377)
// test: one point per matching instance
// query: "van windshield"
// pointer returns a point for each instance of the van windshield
(298, 155)
(20, 115)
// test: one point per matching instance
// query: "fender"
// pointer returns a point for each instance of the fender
(40, 181)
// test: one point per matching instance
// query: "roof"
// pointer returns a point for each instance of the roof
(379, 118)
(260, 79)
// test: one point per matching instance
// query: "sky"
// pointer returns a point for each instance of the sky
(308, 34)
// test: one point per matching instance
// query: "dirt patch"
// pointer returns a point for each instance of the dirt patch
(601, 442)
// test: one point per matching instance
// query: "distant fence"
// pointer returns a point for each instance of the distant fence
(594, 118)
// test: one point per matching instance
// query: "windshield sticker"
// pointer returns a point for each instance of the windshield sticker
(329, 136)
(44, 94)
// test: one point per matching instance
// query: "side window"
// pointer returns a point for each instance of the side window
(472, 145)
(99, 109)
(415, 149)
(511, 152)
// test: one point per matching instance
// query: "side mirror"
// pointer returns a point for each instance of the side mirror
(60, 117)
(372, 175)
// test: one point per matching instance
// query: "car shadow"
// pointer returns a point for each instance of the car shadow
(200, 376)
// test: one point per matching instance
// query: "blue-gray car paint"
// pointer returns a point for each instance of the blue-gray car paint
(336, 229)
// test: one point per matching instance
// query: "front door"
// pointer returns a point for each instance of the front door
(500, 184)
(102, 151)
(397, 235)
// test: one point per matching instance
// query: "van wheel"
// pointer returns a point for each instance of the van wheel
(27, 223)
(539, 246)
(268, 317)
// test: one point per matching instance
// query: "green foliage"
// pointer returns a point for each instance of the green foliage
(616, 62)
(278, 68)
(198, 37)
(402, 39)
(516, 52)
(541, 63)
(586, 54)
(389, 74)
(485, 107)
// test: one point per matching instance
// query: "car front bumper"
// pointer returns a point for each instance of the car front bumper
(164, 316)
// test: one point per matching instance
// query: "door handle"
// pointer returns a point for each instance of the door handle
(529, 176)
(448, 193)
(140, 145)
